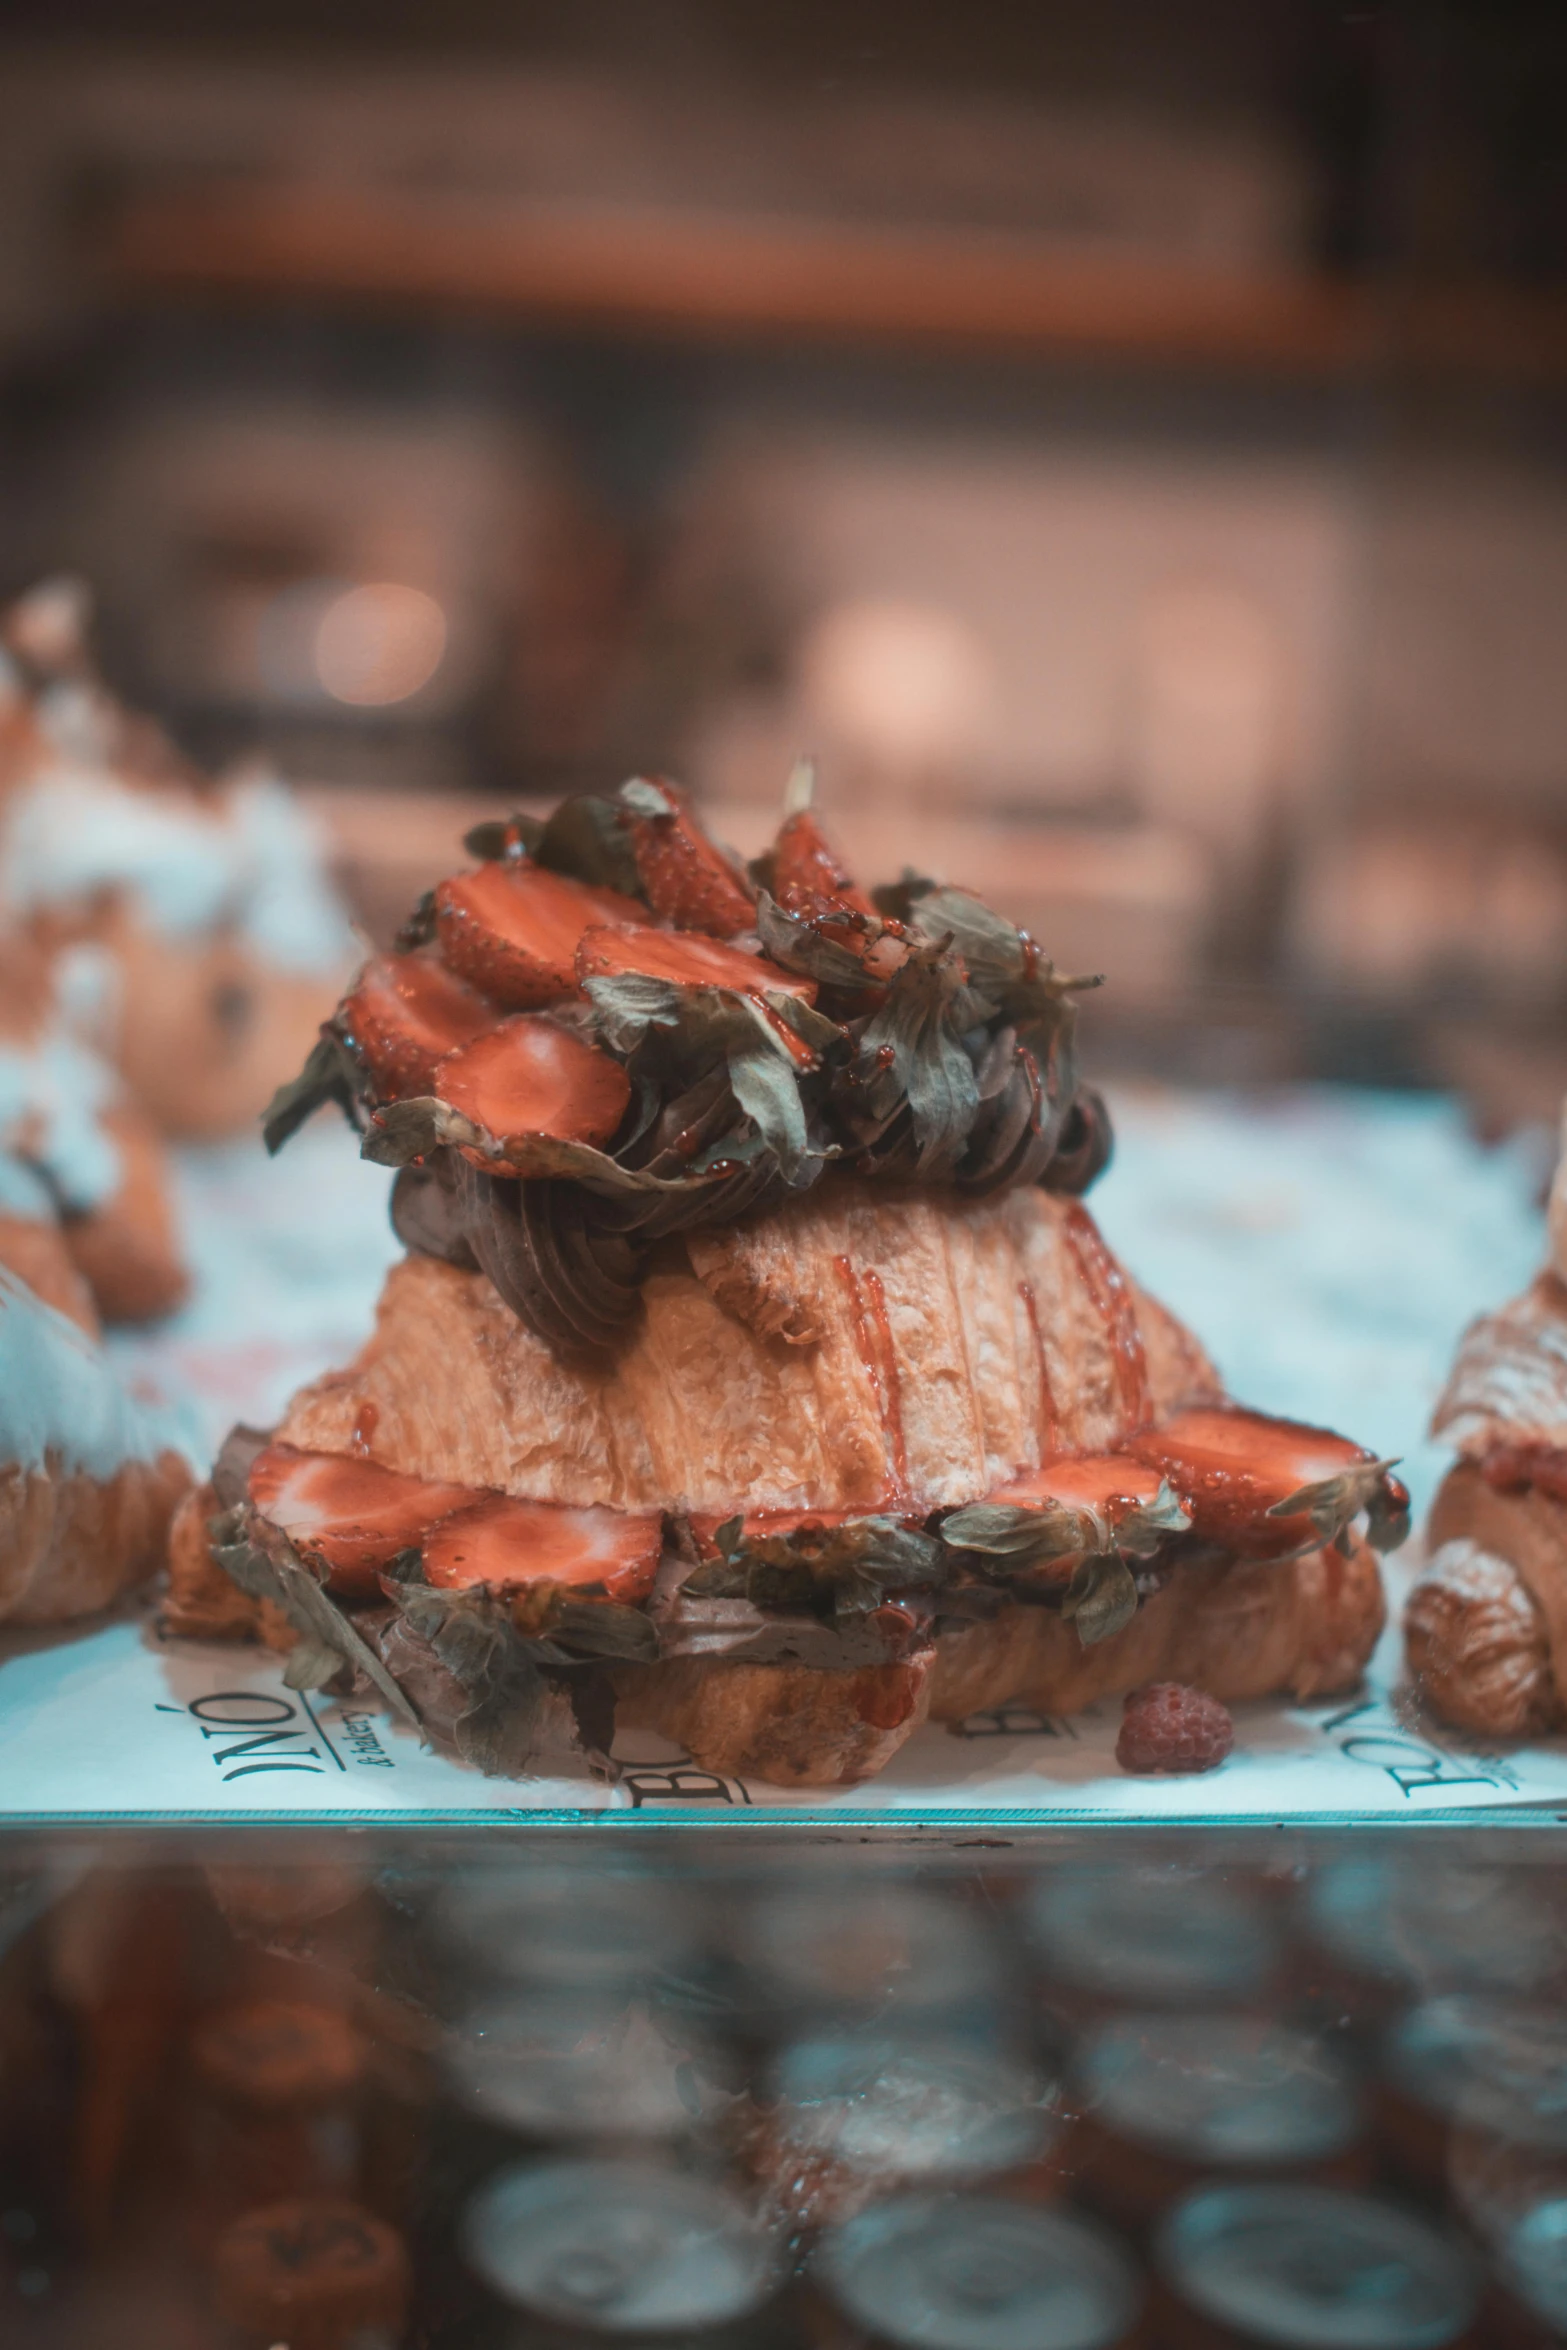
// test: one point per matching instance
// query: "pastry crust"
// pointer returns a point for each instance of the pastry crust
(1239, 1630)
(206, 1030)
(1557, 1211)
(91, 1155)
(36, 1252)
(1527, 1530)
(1508, 1384)
(71, 1543)
(201, 1602)
(1486, 1627)
(925, 1387)
(1477, 1645)
(788, 1724)
(127, 1250)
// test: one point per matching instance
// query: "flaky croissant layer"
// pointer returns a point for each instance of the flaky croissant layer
(857, 1351)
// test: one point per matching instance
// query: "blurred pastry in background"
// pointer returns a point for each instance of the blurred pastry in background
(86, 1213)
(221, 941)
(1486, 1625)
(89, 1476)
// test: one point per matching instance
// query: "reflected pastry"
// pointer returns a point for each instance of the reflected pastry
(756, 1374)
(86, 1213)
(218, 939)
(1486, 1625)
(89, 1478)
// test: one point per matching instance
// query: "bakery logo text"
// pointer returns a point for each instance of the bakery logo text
(252, 1731)
(1372, 1733)
(685, 1781)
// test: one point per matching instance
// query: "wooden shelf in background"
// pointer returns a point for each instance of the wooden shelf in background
(726, 277)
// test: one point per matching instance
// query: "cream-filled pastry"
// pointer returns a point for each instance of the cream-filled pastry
(220, 940)
(1485, 1627)
(84, 1178)
(89, 1477)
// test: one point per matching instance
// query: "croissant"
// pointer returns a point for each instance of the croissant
(1485, 1627)
(89, 1481)
(756, 1374)
(86, 1213)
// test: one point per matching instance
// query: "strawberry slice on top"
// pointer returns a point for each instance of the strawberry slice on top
(528, 1076)
(686, 878)
(512, 929)
(403, 1014)
(688, 961)
(807, 876)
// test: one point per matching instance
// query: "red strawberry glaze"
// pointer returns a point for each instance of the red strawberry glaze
(530, 1077)
(885, 1695)
(1112, 1301)
(1230, 1467)
(1111, 1482)
(512, 929)
(508, 1545)
(687, 880)
(352, 1515)
(403, 1014)
(612, 950)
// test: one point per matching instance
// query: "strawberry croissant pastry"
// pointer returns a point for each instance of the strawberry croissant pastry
(1486, 1625)
(755, 1373)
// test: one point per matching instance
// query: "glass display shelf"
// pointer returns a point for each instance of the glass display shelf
(453, 2089)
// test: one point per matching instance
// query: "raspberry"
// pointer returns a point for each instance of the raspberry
(1168, 1727)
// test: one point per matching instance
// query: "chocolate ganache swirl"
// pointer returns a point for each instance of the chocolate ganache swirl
(609, 1032)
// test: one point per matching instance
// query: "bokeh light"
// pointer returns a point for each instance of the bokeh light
(379, 644)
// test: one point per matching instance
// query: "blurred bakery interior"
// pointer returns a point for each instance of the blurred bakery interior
(1125, 444)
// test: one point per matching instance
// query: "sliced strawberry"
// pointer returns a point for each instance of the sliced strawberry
(403, 1014)
(512, 929)
(689, 961)
(1231, 1468)
(352, 1515)
(509, 1545)
(1108, 1483)
(688, 880)
(529, 1076)
(807, 877)
(764, 1523)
